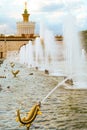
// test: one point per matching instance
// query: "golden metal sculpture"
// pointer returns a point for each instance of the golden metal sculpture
(2, 76)
(15, 72)
(12, 64)
(69, 82)
(26, 121)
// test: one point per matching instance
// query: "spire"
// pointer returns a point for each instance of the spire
(25, 9)
(25, 5)
(25, 14)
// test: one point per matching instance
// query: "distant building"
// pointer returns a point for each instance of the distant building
(25, 32)
(25, 27)
(59, 38)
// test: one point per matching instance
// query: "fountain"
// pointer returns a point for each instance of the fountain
(43, 54)
(26, 88)
(83, 56)
(75, 72)
(39, 53)
(22, 54)
(50, 50)
(26, 54)
(74, 64)
(29, 55)
(52, 53)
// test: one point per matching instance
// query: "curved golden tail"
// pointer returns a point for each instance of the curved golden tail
(30, 117)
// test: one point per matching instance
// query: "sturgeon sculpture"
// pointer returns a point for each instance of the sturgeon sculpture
(15, 72)
(27, 121)
(12, 64)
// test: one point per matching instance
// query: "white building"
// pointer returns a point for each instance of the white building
(25, 27)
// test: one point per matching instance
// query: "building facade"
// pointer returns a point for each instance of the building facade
(25, 32)
(25, 27)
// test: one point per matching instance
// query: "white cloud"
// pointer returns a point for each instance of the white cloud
(82, 16)
(4, 28)
(11, 11)
(35, 6)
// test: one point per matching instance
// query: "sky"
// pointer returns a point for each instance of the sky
(49, 12)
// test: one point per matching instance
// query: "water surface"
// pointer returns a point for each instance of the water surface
(63, 110)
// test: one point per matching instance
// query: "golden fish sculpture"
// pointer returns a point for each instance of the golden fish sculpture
(26, 121)
(15, 72)
(12, 64)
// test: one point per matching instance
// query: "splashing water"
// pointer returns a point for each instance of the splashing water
(61, 83)
(72, 42)
(39, 52)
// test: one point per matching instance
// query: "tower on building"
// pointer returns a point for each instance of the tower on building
(25, 27)
(25, 14)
